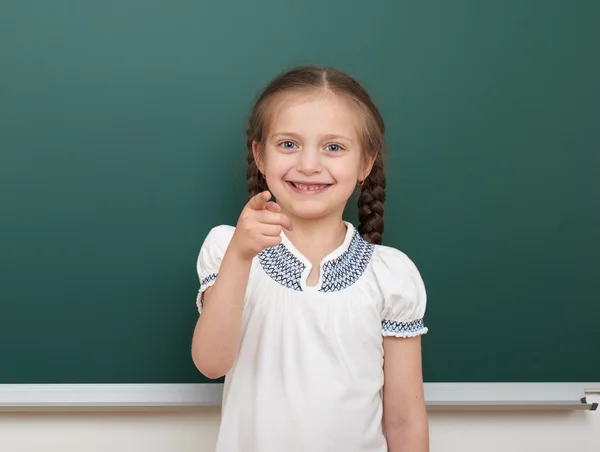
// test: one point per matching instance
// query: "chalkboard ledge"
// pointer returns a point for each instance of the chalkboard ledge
(438, 396)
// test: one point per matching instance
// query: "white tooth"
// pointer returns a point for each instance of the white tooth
(309, 187)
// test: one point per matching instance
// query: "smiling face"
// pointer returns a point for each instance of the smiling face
(311, 156)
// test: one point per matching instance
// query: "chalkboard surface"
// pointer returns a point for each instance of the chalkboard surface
(122, 143)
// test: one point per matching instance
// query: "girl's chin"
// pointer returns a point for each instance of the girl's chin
(313, 209)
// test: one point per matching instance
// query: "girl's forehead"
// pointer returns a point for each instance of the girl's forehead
(294, 99)
(314, 112)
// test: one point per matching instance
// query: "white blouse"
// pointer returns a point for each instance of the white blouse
(309, 373)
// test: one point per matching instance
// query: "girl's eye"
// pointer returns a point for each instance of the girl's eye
(334, 147)
(288, 144)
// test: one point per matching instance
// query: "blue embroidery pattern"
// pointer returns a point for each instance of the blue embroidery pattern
(204, 282)
(391, 326)
(345, 270)
(285, 268)
(281, 265)
(208, 279)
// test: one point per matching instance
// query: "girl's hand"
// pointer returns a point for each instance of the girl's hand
(259, 226)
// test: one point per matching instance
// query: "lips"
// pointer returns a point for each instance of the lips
(308, 187)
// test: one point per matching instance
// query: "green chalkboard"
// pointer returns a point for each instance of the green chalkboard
(122, 143)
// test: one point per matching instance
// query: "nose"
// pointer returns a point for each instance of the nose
(309, 161)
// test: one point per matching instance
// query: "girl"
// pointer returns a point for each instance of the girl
(298, 307)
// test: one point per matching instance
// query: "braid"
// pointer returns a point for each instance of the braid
(255, 182)
(370, 204)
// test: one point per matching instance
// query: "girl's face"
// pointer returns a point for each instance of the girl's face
(312, 157)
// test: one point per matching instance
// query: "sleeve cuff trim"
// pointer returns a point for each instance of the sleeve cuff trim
(204, 284)
(403, 329)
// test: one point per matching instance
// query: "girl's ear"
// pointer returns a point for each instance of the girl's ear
(257, 156)
(367, 167)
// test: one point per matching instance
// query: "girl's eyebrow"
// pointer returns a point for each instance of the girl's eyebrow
(333, 136)
(286, 134)
(329, 136)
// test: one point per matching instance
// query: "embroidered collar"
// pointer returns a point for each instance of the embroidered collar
(338, 270)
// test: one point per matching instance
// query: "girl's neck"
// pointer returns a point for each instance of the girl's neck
(316, 238)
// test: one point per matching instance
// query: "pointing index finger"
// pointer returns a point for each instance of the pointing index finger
(259, 201)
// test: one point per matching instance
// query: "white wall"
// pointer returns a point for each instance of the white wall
(195, 430)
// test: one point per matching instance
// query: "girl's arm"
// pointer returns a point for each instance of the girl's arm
(217, 334)
(404, 412)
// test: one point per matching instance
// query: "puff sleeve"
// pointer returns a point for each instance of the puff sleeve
(404, 295)
(210, 257)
